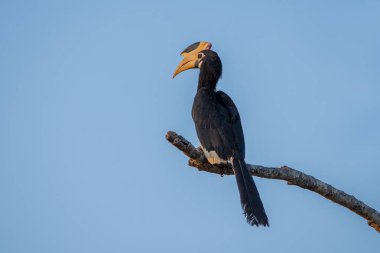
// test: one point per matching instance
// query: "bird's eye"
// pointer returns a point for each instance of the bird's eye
(200, 56)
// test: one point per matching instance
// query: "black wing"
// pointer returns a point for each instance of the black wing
(218, 124)
(235, 122)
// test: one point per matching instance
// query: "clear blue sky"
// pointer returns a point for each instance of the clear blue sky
(86, 97)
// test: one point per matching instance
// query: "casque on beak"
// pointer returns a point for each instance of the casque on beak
(190, 56)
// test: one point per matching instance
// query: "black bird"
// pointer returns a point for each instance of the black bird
(218, 126)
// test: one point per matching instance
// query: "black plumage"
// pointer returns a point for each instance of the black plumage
(219, 129)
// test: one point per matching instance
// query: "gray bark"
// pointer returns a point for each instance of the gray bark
(292, 176)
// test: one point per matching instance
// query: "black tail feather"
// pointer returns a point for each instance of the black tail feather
(249, 196)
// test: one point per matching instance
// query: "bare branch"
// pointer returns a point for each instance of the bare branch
(292, 176)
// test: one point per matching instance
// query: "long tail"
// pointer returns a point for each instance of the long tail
(249, 196)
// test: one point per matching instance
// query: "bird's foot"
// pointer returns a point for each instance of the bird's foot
(221, 167)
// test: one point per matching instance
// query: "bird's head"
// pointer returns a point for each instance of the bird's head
(199, 55)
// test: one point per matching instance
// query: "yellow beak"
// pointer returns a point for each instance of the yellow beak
(190, 55)
(187, 63)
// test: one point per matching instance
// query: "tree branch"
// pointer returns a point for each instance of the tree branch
(292, 176)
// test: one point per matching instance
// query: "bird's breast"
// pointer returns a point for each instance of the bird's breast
(204, 104)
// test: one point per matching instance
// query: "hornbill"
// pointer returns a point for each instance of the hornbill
(218, 126)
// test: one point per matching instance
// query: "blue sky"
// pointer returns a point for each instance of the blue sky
(86, 97)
